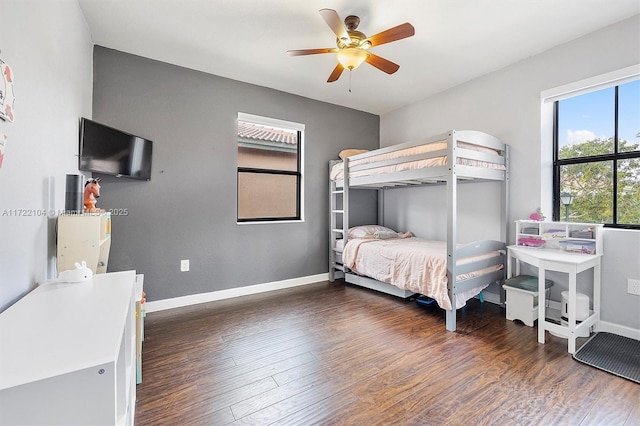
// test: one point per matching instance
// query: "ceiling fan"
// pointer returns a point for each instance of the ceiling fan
(353, 46)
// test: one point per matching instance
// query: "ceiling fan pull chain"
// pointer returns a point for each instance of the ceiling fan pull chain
(350, 80)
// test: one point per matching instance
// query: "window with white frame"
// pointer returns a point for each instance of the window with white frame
(596, 156)
(269, 169)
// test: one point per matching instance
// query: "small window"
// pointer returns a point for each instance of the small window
(269, 169)
(597, 157)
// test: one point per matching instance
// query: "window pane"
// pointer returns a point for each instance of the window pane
(264, 147)
(586, 124)
(629, 191)
(629, 117)
(591, 185)
(267, 159)
(263, 196)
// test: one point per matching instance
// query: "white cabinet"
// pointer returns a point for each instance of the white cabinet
(84, 237)
(569, 236)
(68, 354)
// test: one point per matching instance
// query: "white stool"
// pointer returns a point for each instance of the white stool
(522, 298)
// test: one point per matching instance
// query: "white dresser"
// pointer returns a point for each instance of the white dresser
(67, 354)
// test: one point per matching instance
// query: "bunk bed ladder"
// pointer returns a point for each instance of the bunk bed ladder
(338, 225)
(505, 214)
(452, 230)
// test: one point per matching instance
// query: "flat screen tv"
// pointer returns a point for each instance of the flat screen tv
(109, 151)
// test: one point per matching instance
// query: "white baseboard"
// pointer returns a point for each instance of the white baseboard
(620, 330)
(193, 299)
(605, 326)
(554, 305)
(491, 297)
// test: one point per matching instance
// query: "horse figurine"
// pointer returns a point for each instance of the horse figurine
(91, 194)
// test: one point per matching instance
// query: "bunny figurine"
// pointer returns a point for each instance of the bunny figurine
(80, 274)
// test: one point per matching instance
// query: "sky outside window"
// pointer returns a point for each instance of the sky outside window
(591, 116)
(629, 112)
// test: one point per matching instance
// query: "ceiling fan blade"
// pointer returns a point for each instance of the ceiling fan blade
(332, 19)
(335, 74)
(381, 63)
(311, 51)
(392, 34)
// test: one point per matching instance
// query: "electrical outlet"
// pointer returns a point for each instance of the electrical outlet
(184, 265)
(633, 286)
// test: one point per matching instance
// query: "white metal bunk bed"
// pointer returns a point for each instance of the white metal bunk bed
(451, 158)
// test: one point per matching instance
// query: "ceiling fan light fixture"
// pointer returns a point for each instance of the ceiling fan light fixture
(351, 57)
(352, 45)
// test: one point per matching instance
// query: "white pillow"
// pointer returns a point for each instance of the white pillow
(368, 231)
(384, 235)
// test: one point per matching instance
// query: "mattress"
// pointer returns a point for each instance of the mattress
(412, 264)
(337, 171)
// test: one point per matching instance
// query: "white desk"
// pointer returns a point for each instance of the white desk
(571, 264)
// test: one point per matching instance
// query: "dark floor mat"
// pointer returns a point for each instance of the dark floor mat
(615, 354)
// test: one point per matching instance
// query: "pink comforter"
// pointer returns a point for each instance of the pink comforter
(412, 264)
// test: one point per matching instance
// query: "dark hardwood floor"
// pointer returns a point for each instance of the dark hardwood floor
(336, 354)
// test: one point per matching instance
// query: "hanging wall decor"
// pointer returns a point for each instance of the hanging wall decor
(7, 98)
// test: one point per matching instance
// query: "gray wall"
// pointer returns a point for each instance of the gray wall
(188, 209)
(49, 48)
(506, 103)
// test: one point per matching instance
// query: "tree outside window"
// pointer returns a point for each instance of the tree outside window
(597, 156)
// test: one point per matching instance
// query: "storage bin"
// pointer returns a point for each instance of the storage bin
(578, 246)
(531, 242)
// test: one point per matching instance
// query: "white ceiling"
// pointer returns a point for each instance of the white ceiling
(246, 40)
